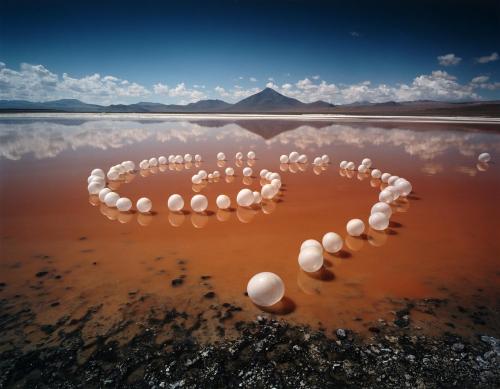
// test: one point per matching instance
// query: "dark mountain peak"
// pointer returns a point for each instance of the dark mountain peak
(267, 100)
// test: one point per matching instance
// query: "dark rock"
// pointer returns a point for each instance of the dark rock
(177, 282)
(41, 274)
(209, 295)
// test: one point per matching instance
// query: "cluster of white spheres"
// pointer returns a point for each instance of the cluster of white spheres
(144, 205)
(484, 158)
(199, 203)
(293, 157)
(311, 256)
(221, 156)
(378, 221)
(245, 198)
(229, 171)
(376, 173)
(265, 289)
(251, 154)
(175, 202)
(247, 171)
(355, 227)
(347, 165)
(332, 242)
(223, 201)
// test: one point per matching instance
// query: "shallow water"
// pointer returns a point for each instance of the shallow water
(442, 242)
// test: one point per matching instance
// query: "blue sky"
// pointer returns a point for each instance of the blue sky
(110, 52)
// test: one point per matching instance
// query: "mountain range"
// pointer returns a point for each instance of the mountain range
(265, 101)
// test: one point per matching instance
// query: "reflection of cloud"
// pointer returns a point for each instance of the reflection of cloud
(432, 168)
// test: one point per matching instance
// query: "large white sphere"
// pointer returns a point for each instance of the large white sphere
(144, 205)
(95, 187)
(332, 242)
(404, 186)
(355, 227)
(392, 180)
(268, 191)
(196, 179)
(386, 196)
(343, 164)
(179, 159)
(251, 155)
(311, 243)
(385, 177)
(284, 158)
(257, 197)
(484, 157)
(103, 193)
(239, 155)
(144, 164)
(203, 174)
(302, 158)
(113, 174)
(221, 156)
(317, 161)
(293, 157)
(153, 162)
(188, 157)
(197, 158)
(245, 197)
(111, 198)
(263, 173)
(376, 173)
(350, 166)
(367, 162)
(276, 182)
(378, 221)
(383, 208)
(124, 204)
(325, 158)
(265, 289)
(247, 172)
(98, 173)
(199, 203)
(310, 259)
(162, 160)
(175, 202)
(223, 201)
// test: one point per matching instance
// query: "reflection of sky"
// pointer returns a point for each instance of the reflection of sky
(46, 139)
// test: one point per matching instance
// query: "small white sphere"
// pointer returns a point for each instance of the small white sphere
(385, 177)
(171, 158)
(378, 221)
(274, 176)
(311, 243)
(404, 186)
(203, 174)
(113, 174)
(98, 173)
(144, 205)
(325, 158)
(293, 157)
(263, 172)
(111, 198)
(355, 227)
(367, 162)
(343, 164)
(268, 176)
(188, 157)
(257, 197)
(96, 179)
(221, 156)
(245, 197)
(162, 160)
(124, 204)
(210, 176)
(392, 180)
(251, 155)
(223, 201)
(229, 171)
(268, 191)
(103, 193)
(317, 161)
(196, 179)
(276, 182)
(362, 168)
(175, 202)
(153, 162)
(483, 157)
(95, 187)
(265, 289)
(350, 166)
(197, 158)
(310, 259)
(144, 164)
(179, 159)
(376, 173)
(302, 158)
(216, 174)
(382, 208)
(386, 196)
(284, 158)
(199, 203)
(239, 155)
(247, 172)
(332, 242)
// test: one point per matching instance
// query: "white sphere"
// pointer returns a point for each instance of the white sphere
(392, 180)
(311, 243)
(293, 157)
(268, 176)
(229, 171)
(284, 158)
(144, 205)
(385, 177)
(343, 164)
(210, 176)
(268, 191)
(310, 259)
(332, 242)
(179, 159)
(350, 166)
(153, 162)
(124, 204)
(263, 172)
(196, 179)
(197, 158)
(245, 197)
(395, 192)
(144, 164)
(302, 158)
(129, 165)
(355, 227)
(247, 172)
(216, 174)
(265, 289)
(367, 162)
(171, 158)
(404, 186)
(203, 174)
(386, 196)
(175, 202)
(239, 155)
(483, 157)
(113, 174)
(378, 221)
(96, 179)
(376, 173)
(223, 201)
(103, 193)
(199, 203)
(382, 208)
(325, 158)
(221, 156)
(188, 157)
(162, 160)
(274, 176)
(95, 187)
(362, 168)
(317, 161)
(98, 173)
(111, 198)
(251, 155)
(276, 182)
(257, 197)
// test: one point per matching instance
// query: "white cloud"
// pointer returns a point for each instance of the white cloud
(488, 58)
(316, 77)
(270, 79)
(160, 89)
(253, 79)
(480, 79)
(448, 59)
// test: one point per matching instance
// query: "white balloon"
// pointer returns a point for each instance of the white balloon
(378, 221)
(343, 164)
(265, 289)
(268, 191)
(111, 198)
(162, 160)
(221, 156)
(367, 162)
(263, 172)
(239, 155)
(229, 171)
(310, 259)
(197, 158)
(144, 205)
(98, 173)
(404, 186)
(188, 157)
(103, 193)
(284, 158)
(383, 208)
(385, 177)
(302, 158)
(311, 243)
(293, 157)
(484, 157)
(245, 197)
(196, 179)
(199, 203)
(392, 180)
(95, 187)
(332, 242)
(355, 227)
(175, 202)
(386, 196)
(223, 201)
(257, 197)
(325, 158)
(153, 162)
(376, 173)
(251, 155)
(247, 172)
(124, 204)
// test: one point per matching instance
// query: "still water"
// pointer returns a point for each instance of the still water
(63, 252)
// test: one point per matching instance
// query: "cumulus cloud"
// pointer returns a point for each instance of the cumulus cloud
(253, 79)
(448, 59)
(480, 79)
(488, 58)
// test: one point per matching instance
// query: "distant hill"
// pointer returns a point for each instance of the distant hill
(265, 101)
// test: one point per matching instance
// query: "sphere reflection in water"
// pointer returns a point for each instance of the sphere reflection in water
(268, 207)
(307, 284)
(245, 215)
(355, 243)
(110, 213)
(247, 180)
(293, 168)
(144, 219)
(402, 205)
(94, 200)
(125, 217)
(317, 170)
(376, 238)
(265, 289)
(482, 166)
(223, 215)
(176, 218)
(199, 220)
